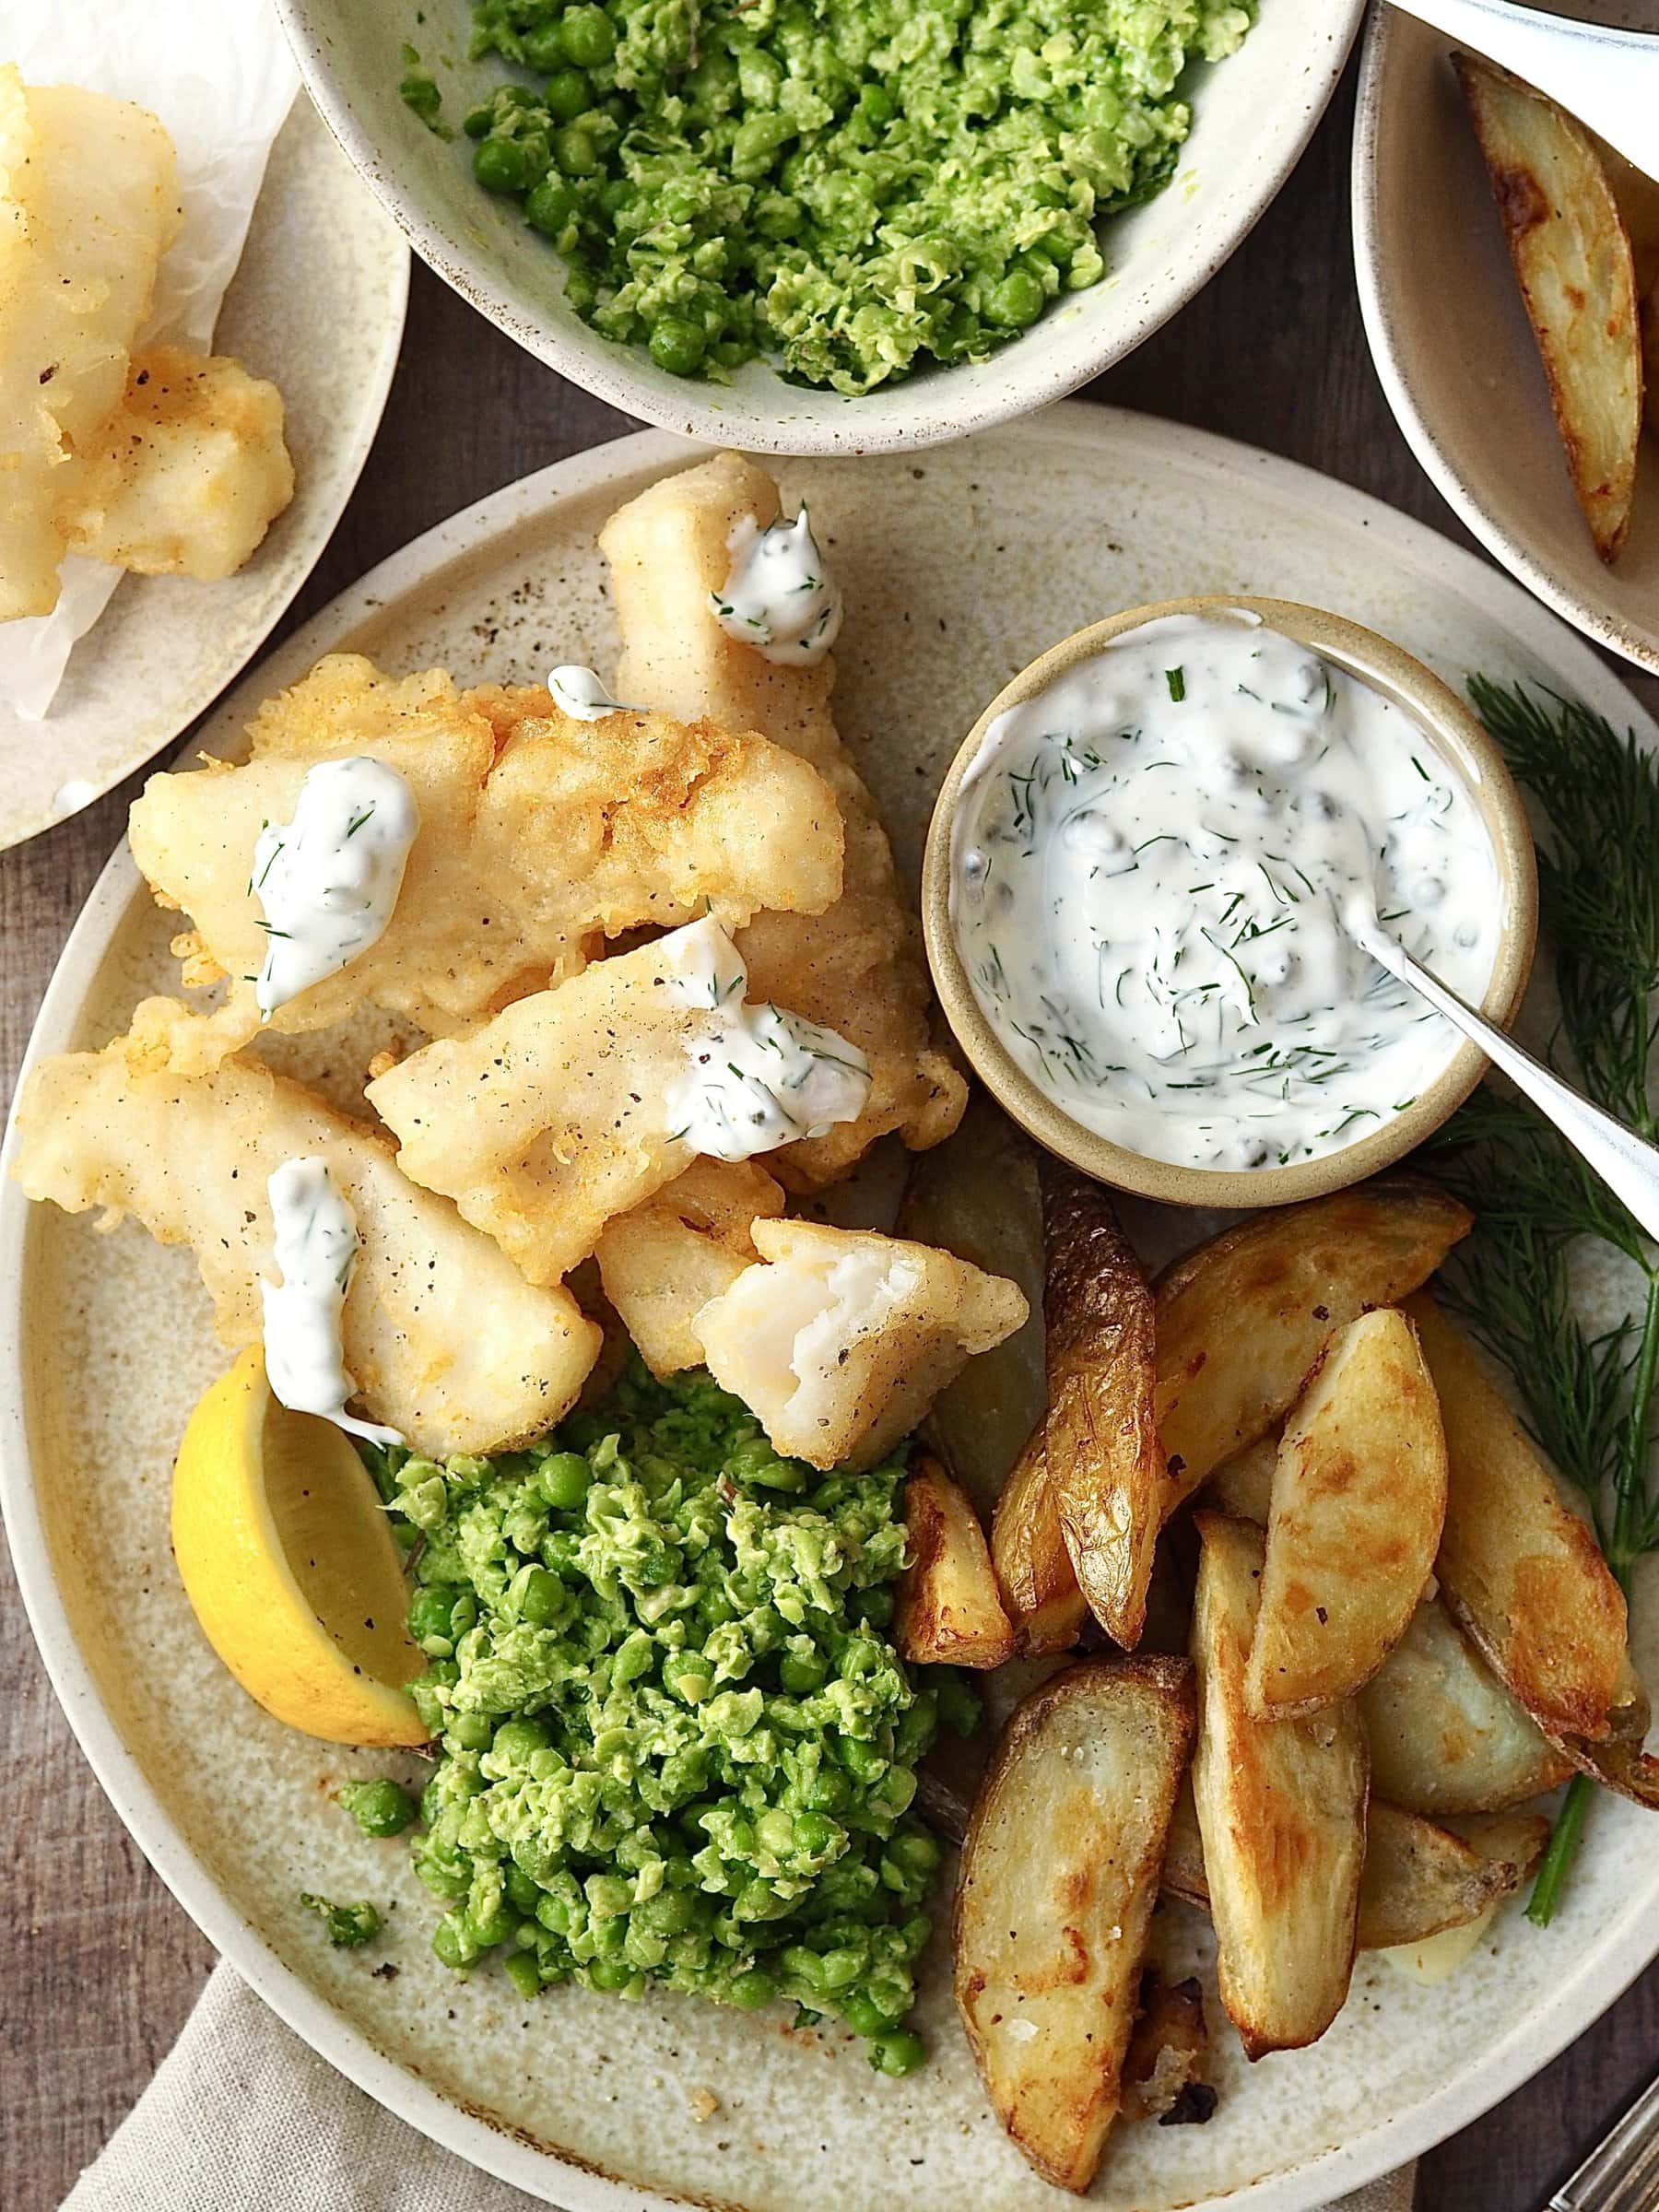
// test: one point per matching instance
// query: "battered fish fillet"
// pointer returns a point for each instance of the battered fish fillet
(536, 832)
(446, 1339)
(188, 474)
(840, 1340)
(555, 1117)
(88, 205)
(857, 967)
(665, 1260)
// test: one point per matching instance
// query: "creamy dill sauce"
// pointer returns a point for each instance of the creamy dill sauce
(1150, 865)
(778, 595)
(756, 1076)
(580, 694)
(314, 1249)
(328, 881)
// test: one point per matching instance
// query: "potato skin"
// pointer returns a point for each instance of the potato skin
(948, 1609)
(1060, 1872)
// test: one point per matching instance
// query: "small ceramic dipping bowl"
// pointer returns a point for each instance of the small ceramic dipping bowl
(1454, 735)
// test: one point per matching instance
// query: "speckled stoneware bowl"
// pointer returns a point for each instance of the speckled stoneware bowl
(1454, 351)
(316, 304)
(1448, 727)
(1254, 114)
(953, 583)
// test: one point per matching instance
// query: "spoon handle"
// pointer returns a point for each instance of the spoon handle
(1608, 78)
(1626, 1162)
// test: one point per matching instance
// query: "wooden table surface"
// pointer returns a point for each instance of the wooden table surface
(102, 1965)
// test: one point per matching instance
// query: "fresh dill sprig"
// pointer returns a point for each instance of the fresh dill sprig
(1588, 1399)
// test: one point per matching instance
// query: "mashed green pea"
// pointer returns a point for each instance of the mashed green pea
(851, 187)
(676, 1744)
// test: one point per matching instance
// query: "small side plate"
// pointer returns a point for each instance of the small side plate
(317, 305)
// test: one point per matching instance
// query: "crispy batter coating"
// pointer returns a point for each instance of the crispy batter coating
(856, 969)
(662, 1262)
(536, 833)
(447, 1341)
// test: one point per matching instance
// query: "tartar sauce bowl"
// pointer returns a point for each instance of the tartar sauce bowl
(1449, 860)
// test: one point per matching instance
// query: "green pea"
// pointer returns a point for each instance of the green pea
(863, 1761)
(745, 1458)
(524, 1893)
(475, 123)
(587, 37)
(523, 1974)
(575, 151)
(915, 1850)
(607, 1894)
(429, 1612)
(812, 1833)
(544, 46)
(688, 1675)
(1015, 302)
(611, 1973)
(453, 1942)
(758, 143)
(841, 1968)
(501, 165)
(491, 1928)
(898, 2052)
(559, 1546)
(515, 1740)
(677, 346)
(563, 1480)
(776, 1832)
(801, 1672)
(752, 1990)
(876, 104)
(541, 1598)
(471, 1731)
(829, 1791)
(568, 95)
(863, 2015)
(379, 1808)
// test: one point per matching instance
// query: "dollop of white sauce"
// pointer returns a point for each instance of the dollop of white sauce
(756, 1076)
(1154, 864)
(327, 881)
(314, 1249)
(580, 693)
(778, 595)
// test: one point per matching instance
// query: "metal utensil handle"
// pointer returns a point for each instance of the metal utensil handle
(1621, 2174)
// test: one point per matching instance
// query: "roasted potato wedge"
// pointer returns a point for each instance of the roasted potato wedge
(1059, 1874)
(1242, 1320)
(1033, 1566)
(1446, 1737)
(1572, 259)
(948, 1608)
(1357, 1503)
(1618, 1762)
(1521, 1573)
(1649, 356)
(1163, 2075)
(976, 1195)
(1243, 1485)
(1105, 1469)
(1281, 1809)
(1420, 1876)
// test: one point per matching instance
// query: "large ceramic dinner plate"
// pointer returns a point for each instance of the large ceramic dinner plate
(957, 569)
(1253, 115)
(317, 305)
(1454, 351)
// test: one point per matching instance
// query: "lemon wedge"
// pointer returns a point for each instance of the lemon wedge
(288, 1560)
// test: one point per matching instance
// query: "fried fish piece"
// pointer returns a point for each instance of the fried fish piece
(536, 832)
(662, 1262)
(446, 1339)
(88, 205)
(575, 1105)
(187, 474)
(841, 1340)
(857, 966)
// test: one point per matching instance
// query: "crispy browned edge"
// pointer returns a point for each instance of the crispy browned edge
(951, 1571)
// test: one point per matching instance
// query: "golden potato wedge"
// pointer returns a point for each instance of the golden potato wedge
(1033, 1566)
(1422, 1879)
(1281, 1809)
(1523, 1576)
(1059, 1876)
(1649, 355)
(1358, 1501)
(1572, 260)
(1106, 1472)
(1242, 1487)
(976, 1195)
(1242, 1320)
(1420, 1876)
(948, 1609)
(1618, 1762)
(1446, 1737)
(1163, 2075)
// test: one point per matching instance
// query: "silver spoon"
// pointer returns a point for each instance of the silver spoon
(1608, 78)
(1626, 1162)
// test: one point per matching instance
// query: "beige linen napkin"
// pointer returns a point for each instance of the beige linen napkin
(244, 2117)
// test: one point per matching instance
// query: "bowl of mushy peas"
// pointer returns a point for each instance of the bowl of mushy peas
(825, 226)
